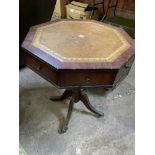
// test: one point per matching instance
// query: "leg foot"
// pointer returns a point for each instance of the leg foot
(65, 125)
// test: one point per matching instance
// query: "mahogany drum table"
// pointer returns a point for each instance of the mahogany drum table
(77, 54)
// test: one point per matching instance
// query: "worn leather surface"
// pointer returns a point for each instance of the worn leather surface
(81, 41)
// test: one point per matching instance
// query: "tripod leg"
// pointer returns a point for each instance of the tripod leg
(66, 94)
(65, 125)
(85, 100)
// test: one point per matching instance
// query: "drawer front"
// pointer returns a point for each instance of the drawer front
(88, 78)
(41, 68)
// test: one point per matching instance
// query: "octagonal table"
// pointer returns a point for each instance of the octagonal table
(77, 54)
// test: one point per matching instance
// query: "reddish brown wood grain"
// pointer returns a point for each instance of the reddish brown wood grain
(78, 65)
(71, 78)
(126, 8)
(41, 68)
(77, 78)
(88, 78)
(77, 74)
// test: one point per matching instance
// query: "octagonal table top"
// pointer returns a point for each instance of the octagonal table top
(79, 44)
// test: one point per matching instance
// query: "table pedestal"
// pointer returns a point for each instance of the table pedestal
(76, 95)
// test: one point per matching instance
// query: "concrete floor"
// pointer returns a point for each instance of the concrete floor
(40, 119)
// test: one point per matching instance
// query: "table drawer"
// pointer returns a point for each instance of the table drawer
(88, 78)
(41, 68)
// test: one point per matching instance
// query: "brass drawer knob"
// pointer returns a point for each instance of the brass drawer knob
(87, 78)
(39, 68)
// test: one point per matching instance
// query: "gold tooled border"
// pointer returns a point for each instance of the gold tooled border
(110, 58)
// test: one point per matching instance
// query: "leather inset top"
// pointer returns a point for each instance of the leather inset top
(80, 41)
